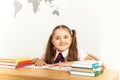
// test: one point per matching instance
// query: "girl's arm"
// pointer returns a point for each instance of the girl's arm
(91, 57)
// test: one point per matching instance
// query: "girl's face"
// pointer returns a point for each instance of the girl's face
(61, 39)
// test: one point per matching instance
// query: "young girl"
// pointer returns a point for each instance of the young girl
(63, 41)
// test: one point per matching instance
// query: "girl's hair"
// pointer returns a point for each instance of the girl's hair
(51, 51)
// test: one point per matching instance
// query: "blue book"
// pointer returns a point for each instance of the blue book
(86, 64)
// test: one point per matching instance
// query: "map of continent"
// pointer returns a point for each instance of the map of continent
(35, 4)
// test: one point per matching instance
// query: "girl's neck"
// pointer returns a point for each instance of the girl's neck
(60, 51)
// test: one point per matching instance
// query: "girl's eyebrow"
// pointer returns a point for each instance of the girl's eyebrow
(56, 36)
(66, 35)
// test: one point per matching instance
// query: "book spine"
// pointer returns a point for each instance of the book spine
(95, 65)
(98, 72)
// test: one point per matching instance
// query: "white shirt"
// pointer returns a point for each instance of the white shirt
(81, 54)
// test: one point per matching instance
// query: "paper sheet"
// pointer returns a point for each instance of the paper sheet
(52, 67)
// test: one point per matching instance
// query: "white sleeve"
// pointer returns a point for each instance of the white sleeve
(81, 55)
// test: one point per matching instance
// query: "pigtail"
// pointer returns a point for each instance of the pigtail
(50, 52)
(73, 51)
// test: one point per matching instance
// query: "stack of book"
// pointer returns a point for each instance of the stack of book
(15, 62)
(87, 68)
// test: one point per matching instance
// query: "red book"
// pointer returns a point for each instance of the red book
(24, 62)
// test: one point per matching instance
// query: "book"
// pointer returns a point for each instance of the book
(13, 66)
(86, 64)
(91, 74)
(15, 62)
(87, 69)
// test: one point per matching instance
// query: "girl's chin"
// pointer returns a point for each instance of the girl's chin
(61, 50)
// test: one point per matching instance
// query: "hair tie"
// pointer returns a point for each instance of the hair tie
(71, 31)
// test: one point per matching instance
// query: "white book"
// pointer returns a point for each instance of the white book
(7, 66)
(7, 63)
(87, 69)
(87, 64)
(92, 74)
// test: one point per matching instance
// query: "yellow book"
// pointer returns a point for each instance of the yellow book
(14, 60)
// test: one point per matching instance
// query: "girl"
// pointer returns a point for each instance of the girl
(62, 42)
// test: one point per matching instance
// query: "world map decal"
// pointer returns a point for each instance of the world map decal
(35, 4)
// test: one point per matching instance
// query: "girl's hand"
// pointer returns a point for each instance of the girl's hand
(39, 62)
(63, 64)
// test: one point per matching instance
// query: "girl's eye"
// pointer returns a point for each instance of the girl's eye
(57, 38)
(66, 37)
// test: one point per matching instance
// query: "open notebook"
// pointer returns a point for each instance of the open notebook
(49, 66)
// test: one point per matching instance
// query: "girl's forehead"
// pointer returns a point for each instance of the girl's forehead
(61, 30)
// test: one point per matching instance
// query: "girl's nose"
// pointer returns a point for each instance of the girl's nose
(61, 40)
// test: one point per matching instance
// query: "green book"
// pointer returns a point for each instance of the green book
(87, 69)
(92, 74)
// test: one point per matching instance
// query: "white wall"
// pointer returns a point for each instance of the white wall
(109, 39)
(96, 22)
